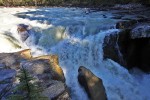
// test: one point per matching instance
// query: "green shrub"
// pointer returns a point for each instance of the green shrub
(26, 89)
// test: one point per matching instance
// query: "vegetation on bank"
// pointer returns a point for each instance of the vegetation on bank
(68, 2)
(27, 89)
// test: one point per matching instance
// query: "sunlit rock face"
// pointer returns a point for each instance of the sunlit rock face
(54, 66)
(92, 84)
(49, 75)
(12, 60)
(45, 70)
(43, 65)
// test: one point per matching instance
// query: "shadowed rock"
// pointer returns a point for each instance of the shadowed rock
(23, 31)
(130, 48)
(92, 84)
(6, 81)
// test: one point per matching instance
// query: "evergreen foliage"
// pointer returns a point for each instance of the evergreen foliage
(67, 2)
(26, 89)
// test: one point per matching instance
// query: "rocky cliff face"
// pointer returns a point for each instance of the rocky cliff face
(44, 69)
(131, 46)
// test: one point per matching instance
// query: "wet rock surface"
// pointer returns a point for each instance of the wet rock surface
(23, 31)
(131, 45)
(92, 84)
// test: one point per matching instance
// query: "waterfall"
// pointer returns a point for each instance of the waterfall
(77, 38)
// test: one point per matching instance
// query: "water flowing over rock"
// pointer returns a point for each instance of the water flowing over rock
(92, 84)
(114, 46)
(129, 48)
(23, 31)
(78, 38)
(11, 42)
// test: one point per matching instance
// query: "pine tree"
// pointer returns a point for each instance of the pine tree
(26, 89)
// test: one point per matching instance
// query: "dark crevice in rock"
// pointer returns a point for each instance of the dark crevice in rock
(135, 52)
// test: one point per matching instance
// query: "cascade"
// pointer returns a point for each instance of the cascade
(77, 38)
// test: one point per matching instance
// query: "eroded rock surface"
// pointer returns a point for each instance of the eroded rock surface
(45, 69)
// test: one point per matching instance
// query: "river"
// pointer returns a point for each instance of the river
(76, 36)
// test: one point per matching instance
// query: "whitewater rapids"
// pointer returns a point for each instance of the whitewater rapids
(76, 36)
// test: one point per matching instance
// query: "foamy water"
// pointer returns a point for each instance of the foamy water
(76, 36)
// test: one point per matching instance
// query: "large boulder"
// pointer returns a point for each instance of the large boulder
(43, 69)
(47, 74)
(54, 65)
(92, 84)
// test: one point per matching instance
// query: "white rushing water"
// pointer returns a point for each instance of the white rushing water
(76, 36)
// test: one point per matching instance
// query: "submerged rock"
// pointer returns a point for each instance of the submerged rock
(92, 84)
(23, 31)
